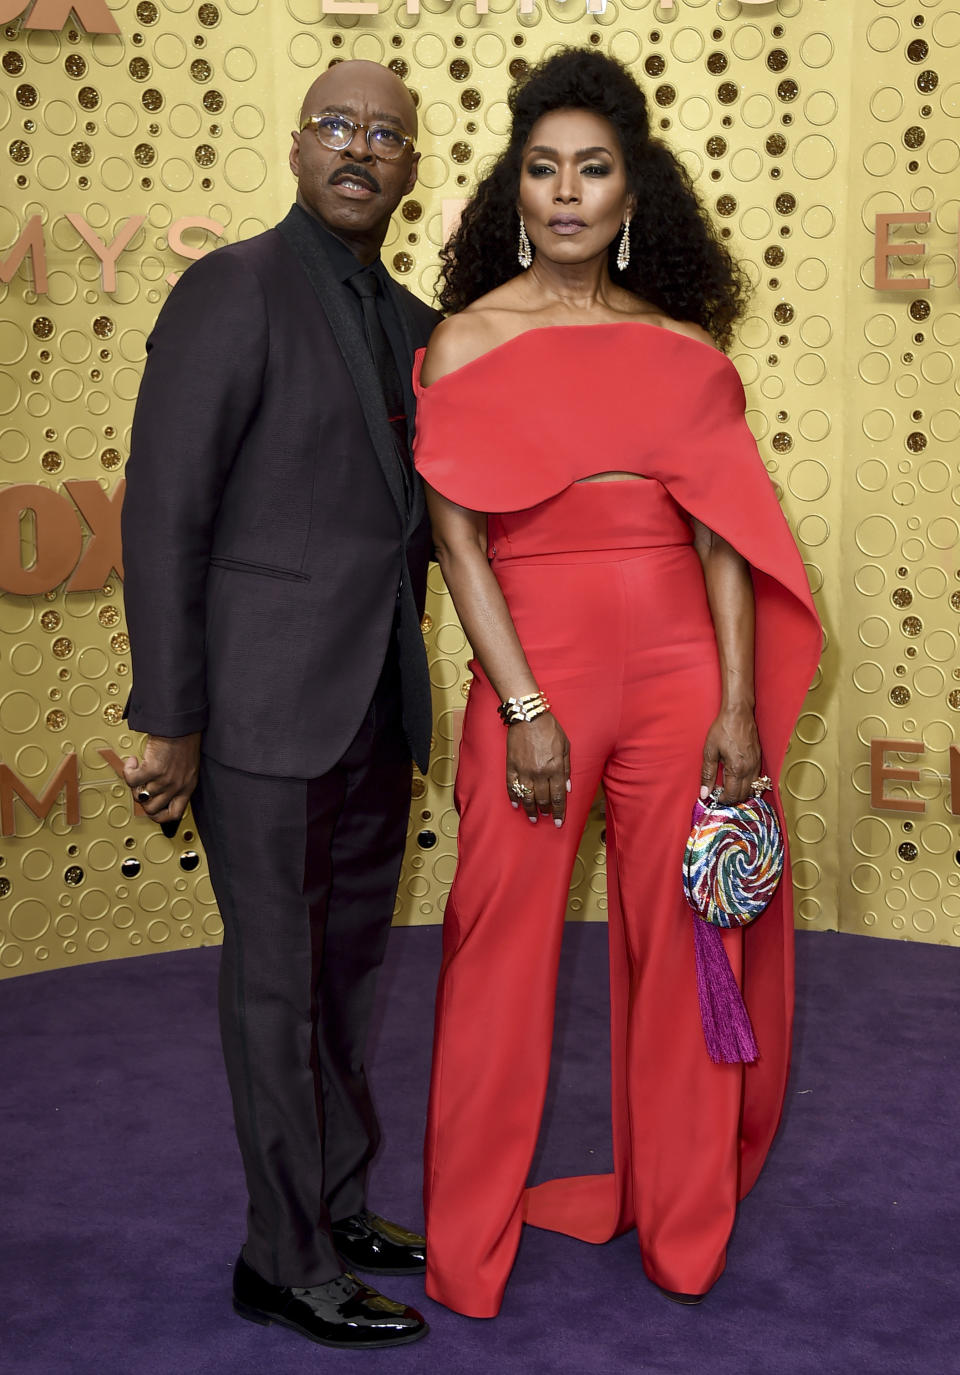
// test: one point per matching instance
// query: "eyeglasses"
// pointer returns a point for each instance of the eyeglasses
(338, 132)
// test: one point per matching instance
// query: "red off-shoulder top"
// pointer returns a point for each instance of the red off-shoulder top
(554, 405)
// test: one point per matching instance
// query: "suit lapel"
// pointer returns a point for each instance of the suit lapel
(302, 239)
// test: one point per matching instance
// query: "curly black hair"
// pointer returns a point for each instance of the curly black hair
(678, 262)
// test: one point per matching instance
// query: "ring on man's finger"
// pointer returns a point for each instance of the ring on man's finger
(520, 790)
(143, 796)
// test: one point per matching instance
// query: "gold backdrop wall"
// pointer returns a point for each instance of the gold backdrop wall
(800, 120)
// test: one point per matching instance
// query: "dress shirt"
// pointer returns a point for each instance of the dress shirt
(343, 264)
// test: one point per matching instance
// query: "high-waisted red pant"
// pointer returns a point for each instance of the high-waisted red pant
(621, 640)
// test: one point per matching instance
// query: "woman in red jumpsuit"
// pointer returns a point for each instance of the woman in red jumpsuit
(635, 602)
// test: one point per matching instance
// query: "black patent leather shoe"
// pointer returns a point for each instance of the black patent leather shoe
(368, 1242)
(344, 1312)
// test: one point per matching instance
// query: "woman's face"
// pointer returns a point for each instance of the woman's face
(573, 186)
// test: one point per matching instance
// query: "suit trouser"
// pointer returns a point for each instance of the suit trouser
(624, 647)
(305, 872)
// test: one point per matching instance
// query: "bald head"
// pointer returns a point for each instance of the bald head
(377, 87)
(354, 189)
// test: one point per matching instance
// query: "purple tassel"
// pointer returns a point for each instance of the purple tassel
(726, 1022)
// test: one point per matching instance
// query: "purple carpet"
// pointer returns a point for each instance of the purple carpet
(122, 1192)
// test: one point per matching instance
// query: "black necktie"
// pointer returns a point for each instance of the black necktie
(367, 285)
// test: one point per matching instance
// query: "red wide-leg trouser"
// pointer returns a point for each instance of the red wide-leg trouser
(622, 642)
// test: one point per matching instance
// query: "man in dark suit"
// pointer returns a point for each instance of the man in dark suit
(276, 549)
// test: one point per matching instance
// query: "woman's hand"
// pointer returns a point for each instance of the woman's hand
(538, 760)
(733, 741)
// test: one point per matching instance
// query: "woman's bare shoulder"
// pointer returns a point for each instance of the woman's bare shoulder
(691, 330)
(637, 308)
(459, 339)
(455, 342)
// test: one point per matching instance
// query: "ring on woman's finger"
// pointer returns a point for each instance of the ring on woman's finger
(142, 796)
(520, 790)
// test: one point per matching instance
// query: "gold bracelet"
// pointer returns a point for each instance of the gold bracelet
(526, 708)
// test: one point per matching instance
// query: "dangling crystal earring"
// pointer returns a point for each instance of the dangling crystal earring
(623, 252)
(524, 251)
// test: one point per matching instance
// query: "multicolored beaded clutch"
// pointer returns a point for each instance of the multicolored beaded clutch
(733, 859)
(732, 864)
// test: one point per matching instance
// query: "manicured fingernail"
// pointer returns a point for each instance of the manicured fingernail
(569, 786)
(704, 792)
(533, 819)
(557, 821)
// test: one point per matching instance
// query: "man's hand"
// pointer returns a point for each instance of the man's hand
(167, 774)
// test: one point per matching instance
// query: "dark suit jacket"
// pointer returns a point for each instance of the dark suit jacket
(270, 550)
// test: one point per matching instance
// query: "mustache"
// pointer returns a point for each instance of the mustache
(352, 171)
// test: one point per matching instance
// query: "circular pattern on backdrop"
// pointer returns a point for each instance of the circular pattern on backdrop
(747, 42)
(687, 44)
(695, 113)
(746, 164)
(814, 157)
(811, 274)
(304, 50)
(197, 108)
(816, 50)
(886, 104)
(820, 107)
(757, 111)
(883, 34)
